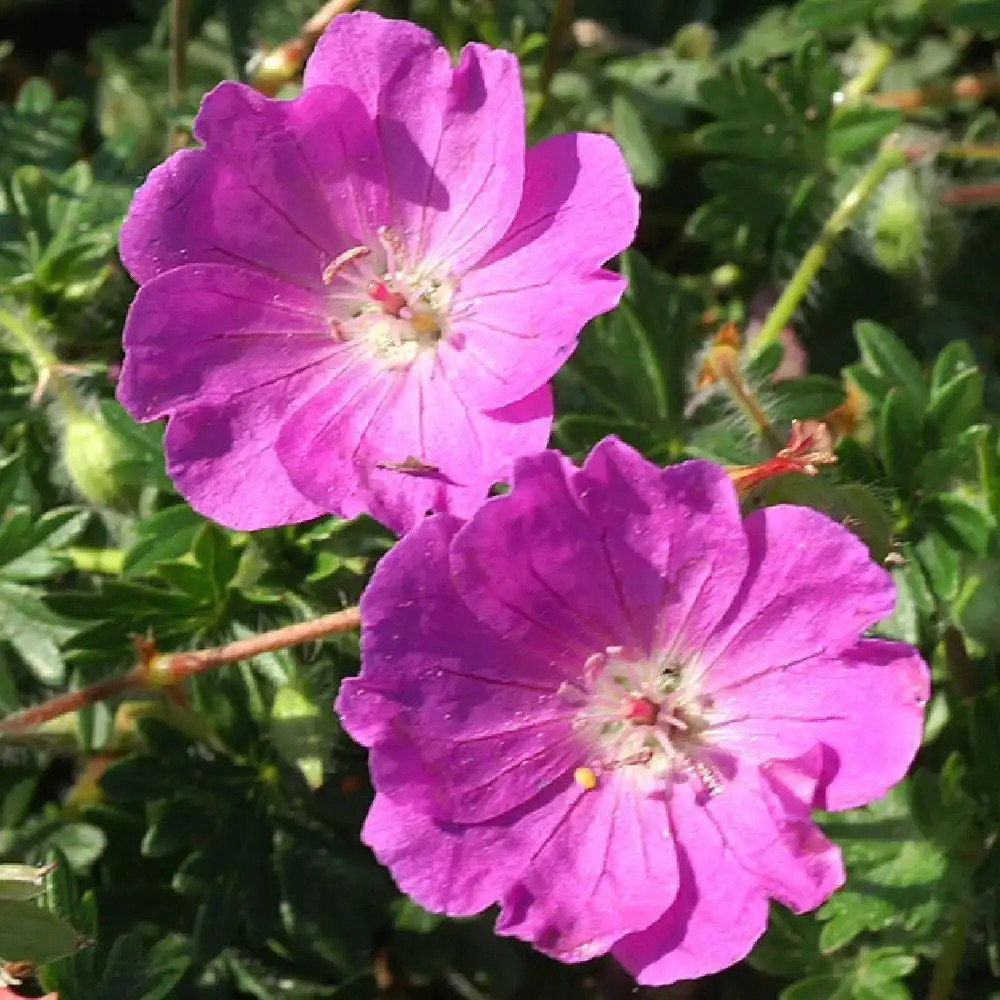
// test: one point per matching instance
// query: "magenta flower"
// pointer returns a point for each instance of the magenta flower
(353, 301)
(608, 704)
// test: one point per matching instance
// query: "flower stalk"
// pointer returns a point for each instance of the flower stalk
(889, 159)
(862, 84)
(48, 369)
(559, 29)
(159, 670)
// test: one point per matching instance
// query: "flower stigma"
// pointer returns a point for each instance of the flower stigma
(379, 298)
(641, 717)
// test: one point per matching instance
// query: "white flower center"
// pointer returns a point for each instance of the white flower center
(392, 306)
(644, 717)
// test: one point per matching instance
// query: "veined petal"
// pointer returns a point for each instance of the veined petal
(811, 589)
(201, 335)
(452, 138)
(219, 454)
(348, 447)
(607, 866)
(719, 913)
(281, 187)
(830, 701)
(519, 310)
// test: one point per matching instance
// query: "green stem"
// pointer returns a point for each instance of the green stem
(562, 18)
(748, 403)
(864, 82)
(889, 159)
(106, 561)
(45, 363)
(946, 966)
(177, 68)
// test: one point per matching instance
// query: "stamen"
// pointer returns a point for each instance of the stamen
(585, 778)
(709, 776)
(341, 261)
(642, 757)
(392, 243)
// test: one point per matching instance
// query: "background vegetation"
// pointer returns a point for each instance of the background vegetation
(206, 834)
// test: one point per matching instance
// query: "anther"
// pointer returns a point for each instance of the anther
(709, 776)
(393, 246)
(341, 261)
(641, 757)
(585, 778)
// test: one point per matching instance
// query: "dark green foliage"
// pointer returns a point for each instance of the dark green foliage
(207, 847)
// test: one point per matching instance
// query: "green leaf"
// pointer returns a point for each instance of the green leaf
(961, 521)
(631, 132)
(821, 15)
(900, 430)
(980, 15)
(167, 534)
(856, 131)
(22, 882)
(29, 933)
(885, 356)
(957, 404)
(808, 397)
(36, 632)
(897, 878)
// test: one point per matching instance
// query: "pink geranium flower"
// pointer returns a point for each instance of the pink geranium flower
(608, 704)
(353, 301)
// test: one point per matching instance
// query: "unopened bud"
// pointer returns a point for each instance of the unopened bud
(695, 41)
(907, 231)
(93, 455)
(269, 71)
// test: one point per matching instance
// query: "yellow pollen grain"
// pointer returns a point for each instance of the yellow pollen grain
(585, 778)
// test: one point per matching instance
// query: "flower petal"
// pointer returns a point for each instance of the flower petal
(202, 335)
(456, 870)
(719, 913)
(673, 539)
(607, 867)
(482, 727)
(347, 448)
(532, 567)
(811, 589)
(220, 455)
(520, 309)
(452, 139)
(833, 700)
(768, 830)
(280, 186)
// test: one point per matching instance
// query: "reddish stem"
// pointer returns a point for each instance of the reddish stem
(164, 670)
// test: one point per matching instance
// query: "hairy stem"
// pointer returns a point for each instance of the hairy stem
(964, 88)
(972, 195)
(946, 966)
(747, 401)
(864, 82)
(889, 159)
(166, 669)
(48, 368)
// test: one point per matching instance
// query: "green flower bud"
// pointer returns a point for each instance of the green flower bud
(907, 232)
(695, 42)
(93, 455)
